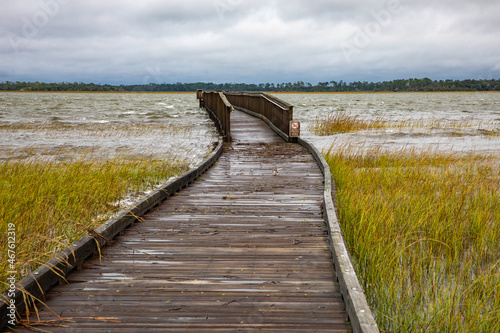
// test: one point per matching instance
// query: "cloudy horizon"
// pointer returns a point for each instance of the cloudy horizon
(153, 41)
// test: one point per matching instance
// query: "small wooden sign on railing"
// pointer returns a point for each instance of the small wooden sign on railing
(294, 129)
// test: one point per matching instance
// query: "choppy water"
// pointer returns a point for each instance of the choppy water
(103, 124)
(39, 124)
(480, 110)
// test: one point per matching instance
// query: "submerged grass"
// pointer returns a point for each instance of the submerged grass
(99, 130)
(53, 204)
(424, 230)
(343, 122)
(346, 122)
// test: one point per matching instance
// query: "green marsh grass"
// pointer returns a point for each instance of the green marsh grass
(53, 203)
(424, 232)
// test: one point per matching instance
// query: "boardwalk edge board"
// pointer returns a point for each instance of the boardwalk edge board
(358, 310)
(37, 283)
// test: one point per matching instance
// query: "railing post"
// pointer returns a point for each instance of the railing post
(228, 123)
(200, 97)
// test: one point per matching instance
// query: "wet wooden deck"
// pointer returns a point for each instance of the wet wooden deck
(243, 248)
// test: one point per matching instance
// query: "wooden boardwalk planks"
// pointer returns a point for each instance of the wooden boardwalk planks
(243, 248)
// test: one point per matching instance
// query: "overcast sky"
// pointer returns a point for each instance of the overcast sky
(251, 41)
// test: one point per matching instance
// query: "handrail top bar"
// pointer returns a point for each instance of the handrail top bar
(277, 100)
(265, 96)
(270, 98)
(273, 99)
(221, 94)
(224, 99)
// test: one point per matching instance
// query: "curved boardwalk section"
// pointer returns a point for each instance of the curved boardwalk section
(243, 248)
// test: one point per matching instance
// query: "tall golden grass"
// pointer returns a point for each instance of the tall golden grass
(52, 204)
(343, 121)
(101, 130)
(424, 232)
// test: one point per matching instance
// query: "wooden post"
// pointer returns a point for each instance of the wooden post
(227, 117)
(199, 96)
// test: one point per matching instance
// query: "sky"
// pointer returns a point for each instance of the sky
(248, 41)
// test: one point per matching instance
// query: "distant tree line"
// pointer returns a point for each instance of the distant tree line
(403, 85)
(63, 86)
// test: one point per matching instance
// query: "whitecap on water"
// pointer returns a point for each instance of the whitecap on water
(168, 106)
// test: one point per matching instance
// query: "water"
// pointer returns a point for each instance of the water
(34, 125)
(480, 110)
(73, 124)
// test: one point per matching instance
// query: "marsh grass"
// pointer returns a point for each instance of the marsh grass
(346, 122)
(343, 122)
(423, 229)
(53, 204)
(99, 130)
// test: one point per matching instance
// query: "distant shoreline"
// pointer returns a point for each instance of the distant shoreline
(97, 92)
(400, 85)
(381, 92)
(269, 92)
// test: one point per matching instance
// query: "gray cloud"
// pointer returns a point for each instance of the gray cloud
(247, 41)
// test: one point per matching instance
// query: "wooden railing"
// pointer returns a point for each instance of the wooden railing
(219, 110)
(276, 112)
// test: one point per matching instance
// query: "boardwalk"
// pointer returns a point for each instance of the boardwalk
(243, 248)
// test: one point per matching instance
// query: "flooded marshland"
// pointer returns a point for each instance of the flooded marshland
(69, 125)
(461, 122)
(72, 125)
(415, 264)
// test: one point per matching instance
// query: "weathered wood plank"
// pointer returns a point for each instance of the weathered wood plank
(35, 285)
(243, 248)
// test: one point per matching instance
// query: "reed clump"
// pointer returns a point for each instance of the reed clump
(423, 229)
(52, 204)
(343, 121)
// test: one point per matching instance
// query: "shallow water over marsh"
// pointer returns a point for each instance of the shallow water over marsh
(101, 125)
(465, 122)
(105, 124)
